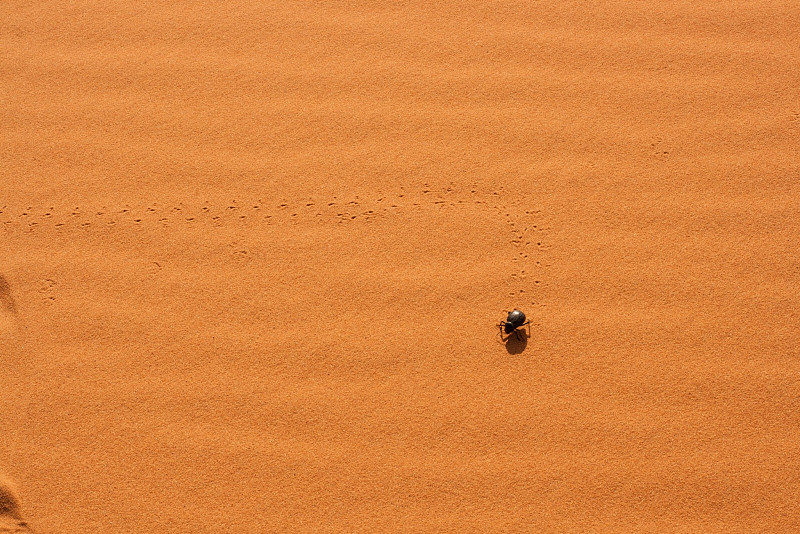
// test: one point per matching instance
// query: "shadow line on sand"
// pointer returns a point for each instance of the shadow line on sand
(6, 300)
(11, 519)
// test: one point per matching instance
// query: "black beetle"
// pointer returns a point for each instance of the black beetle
(515, 319)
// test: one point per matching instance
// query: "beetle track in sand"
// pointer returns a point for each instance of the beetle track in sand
(527, 235)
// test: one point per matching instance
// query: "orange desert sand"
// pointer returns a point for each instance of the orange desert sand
(254, 255)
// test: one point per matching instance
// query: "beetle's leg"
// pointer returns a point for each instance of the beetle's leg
(500, 335)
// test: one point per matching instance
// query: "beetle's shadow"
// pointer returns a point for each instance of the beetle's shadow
(515, 342)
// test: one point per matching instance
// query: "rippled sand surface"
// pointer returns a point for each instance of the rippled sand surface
(254, 255)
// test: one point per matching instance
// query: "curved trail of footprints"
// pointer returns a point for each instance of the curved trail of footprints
(525, 233)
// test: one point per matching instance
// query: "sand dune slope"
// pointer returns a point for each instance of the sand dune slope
(254, 255)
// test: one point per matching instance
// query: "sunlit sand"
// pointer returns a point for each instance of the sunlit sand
(254, 256)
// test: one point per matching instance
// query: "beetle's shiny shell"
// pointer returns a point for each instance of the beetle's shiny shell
(516, 318)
